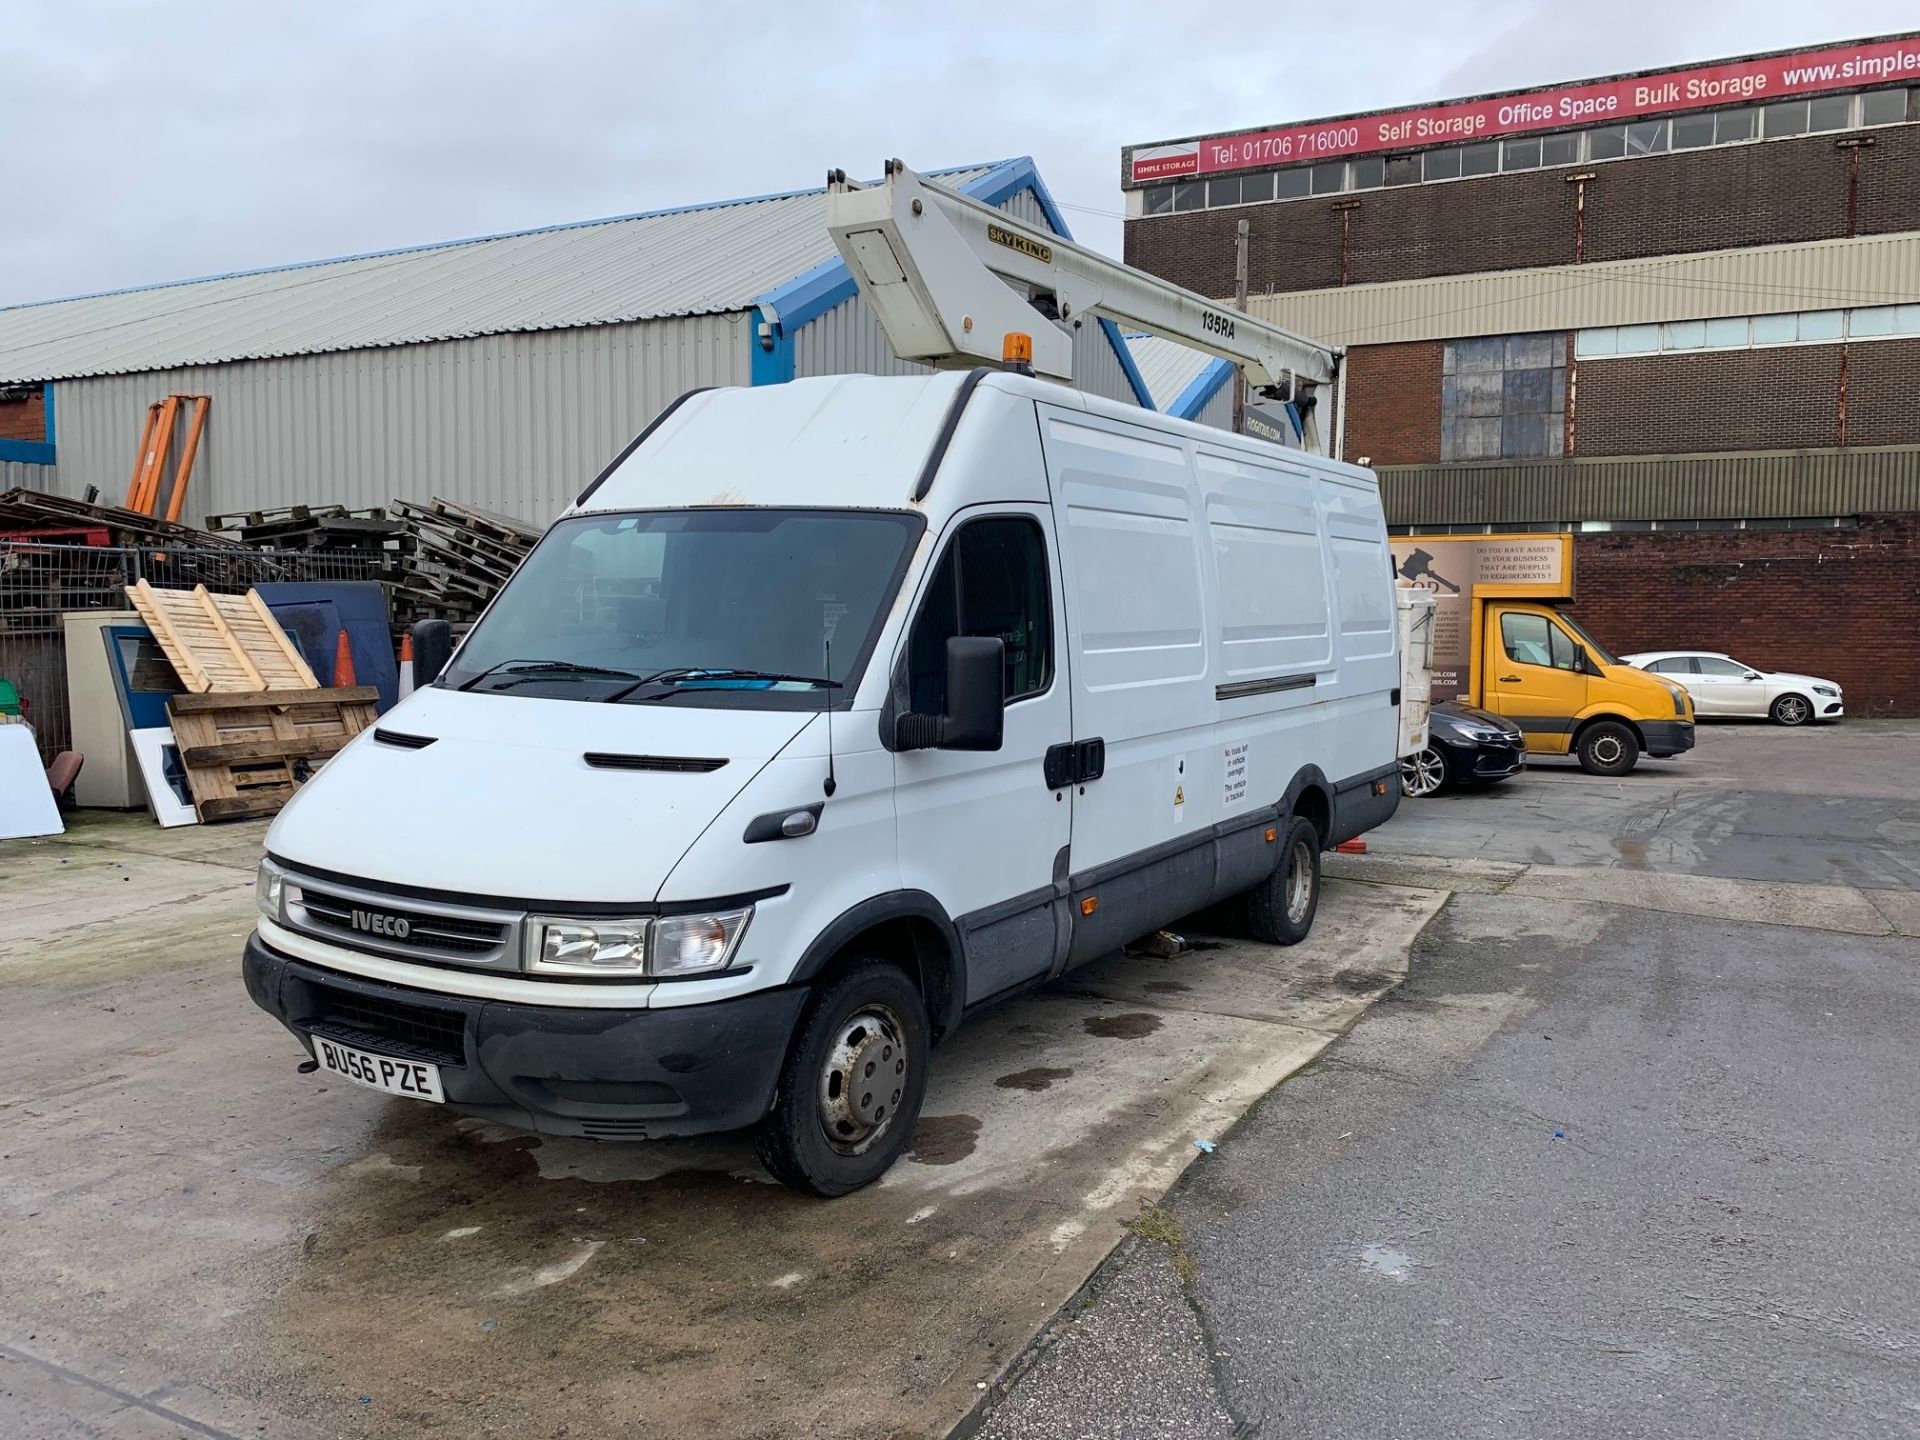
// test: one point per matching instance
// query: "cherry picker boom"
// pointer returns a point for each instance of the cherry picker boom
(949, 278)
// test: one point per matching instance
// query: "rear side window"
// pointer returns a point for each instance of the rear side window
(991, 582)
(1676, 665)
(1535, 640)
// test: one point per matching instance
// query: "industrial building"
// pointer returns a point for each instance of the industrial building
(500, 372)
(1676, 311)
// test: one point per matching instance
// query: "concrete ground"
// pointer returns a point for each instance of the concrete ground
(1631, 1153)
(197, 1241)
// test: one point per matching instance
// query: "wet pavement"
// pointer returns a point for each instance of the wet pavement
(197, 1241)
(1629, 1154)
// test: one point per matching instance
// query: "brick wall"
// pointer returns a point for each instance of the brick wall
(1713, 199)
(23, 419)
(1766, 399)
(1833, 603)
(1393, 403)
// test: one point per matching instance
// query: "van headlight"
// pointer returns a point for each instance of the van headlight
(637, 947)
(268, 885)
(1679, 699)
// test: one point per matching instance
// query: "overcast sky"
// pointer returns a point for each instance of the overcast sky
(148, 142)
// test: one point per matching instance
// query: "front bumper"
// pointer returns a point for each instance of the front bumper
(600, 1074)
(1484, 761)
(1667, 737)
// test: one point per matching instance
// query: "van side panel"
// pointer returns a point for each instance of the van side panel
(1137, 622)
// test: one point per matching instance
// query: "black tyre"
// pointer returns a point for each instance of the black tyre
(850, 1091)
(1792, 710)
(1608, 748)
(1280, 909)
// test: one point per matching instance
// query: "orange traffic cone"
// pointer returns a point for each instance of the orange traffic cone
(343, 675)
(406, 664)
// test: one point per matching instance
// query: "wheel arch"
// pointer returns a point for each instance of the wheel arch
(1310, 795)
(910, 928)
(1587, 722)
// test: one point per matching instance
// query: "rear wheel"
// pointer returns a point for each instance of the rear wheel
(1608, 748)
(1423, 773)
(1280, 909)
(1792, 710)
(850, 1090)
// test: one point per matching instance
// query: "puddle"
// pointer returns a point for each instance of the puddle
(1633, 853)
(1362, 982)
(1394, 1264)
(943, 1139)
(1121, 1027)
(1038, 1078)
(1167, 987)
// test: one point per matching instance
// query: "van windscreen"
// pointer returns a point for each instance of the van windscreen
(751, 607)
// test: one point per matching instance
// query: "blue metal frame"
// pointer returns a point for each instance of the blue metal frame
(811, 294)
(1188, 404)
(34, 452)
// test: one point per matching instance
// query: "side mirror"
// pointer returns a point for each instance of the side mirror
(1754, 675)
(975, 717)
(432, 648)
(1582, 665)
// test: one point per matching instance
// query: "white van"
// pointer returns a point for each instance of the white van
(831, 712)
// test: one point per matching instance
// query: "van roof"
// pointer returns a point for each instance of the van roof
(855, 441)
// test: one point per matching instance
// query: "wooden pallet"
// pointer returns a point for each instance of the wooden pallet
(245, 754)
(225, 643)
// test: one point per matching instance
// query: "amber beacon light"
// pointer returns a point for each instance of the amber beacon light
(1016, 352)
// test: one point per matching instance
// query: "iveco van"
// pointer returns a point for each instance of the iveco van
(831, 712)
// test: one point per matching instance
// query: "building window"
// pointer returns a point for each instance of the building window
(1190, 195)
(1883, 107)
(1481, 159)
(1293, 184)
(1441, 164)
(1560, 150)
(1367, 174)
(1830, 112)
(1692, 132)
(1740, 332)
(1520, 154)
(1330, 178)
(1649, 137)
(1503, 397)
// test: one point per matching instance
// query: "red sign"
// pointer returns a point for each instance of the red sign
(1568, 107)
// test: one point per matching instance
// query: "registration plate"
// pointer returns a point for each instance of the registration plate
(413, 1078)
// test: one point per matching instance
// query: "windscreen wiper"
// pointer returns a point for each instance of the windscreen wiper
(543, 670)
(682, 673)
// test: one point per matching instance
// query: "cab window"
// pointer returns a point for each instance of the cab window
(1536, 640)
(992, 582)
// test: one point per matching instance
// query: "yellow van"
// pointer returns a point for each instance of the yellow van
(1501, 642)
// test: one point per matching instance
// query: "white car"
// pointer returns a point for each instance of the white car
(1721, 685)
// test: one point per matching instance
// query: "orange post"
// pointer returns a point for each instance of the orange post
(148, 499)
(343, 663)
(177, 501)
(140, 455)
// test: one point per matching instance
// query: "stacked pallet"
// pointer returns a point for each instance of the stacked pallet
(329, 528)
(255, 722)
(24, 510)
(460, 558)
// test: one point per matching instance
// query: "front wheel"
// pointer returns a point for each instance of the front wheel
(1608, 748)
(1423, 773)
(1280, 909)
(850, 1090)
(1792, 710)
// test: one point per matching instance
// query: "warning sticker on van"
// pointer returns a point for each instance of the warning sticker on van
(1233, 789)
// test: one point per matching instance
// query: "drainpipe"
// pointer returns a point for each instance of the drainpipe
(1853, 148)
(1580, 215)
(1346, 209)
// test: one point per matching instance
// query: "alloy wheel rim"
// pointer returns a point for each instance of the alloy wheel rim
(1793, 709)
(1422, 772)
(863, 1080)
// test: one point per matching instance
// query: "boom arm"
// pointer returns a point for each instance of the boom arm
(948, 278)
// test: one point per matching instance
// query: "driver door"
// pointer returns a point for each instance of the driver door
(980, 830)
(1537, 678)
(1726, 680)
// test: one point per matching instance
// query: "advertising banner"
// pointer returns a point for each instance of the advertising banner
(1564, 107)
(1457, 568)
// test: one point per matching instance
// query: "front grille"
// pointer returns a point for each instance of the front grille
(392, 1027)
(427, 931)
(451, 934)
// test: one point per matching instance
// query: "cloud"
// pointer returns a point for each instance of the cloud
(150, 143)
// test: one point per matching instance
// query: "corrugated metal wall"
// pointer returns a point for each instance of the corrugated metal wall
(512, 423)
(1765, 484)
(1763, 280)
(1218, 412)
(45, 477)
